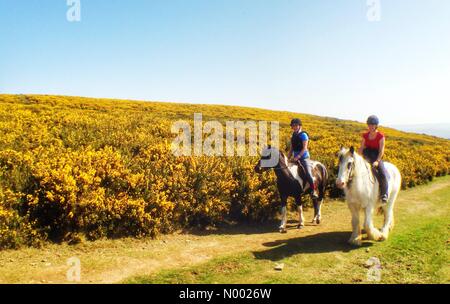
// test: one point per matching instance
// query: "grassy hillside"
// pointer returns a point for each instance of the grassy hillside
(77, 167)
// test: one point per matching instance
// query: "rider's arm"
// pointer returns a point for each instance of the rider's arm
(381, 153)
(290, 152)
(305, 148)
(363, 146)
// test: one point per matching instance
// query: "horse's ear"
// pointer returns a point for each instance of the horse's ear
(352, 150)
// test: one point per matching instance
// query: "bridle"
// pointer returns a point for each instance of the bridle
(351, 173)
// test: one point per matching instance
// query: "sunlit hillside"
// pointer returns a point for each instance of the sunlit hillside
(75, 167)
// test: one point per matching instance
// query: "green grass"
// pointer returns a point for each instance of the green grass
(420, 253)
(416, 252)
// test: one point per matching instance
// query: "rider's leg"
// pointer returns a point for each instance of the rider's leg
(383, 182)
(309, 177)
(372, 155)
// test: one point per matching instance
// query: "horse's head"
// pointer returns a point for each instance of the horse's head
(346, 167)
(270, 158)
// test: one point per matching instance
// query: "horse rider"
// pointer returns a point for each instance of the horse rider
(299, 148)
(372, 148)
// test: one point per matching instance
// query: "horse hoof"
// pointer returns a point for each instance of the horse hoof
(300, 226)
(283, 230)
(355, 242)
(316, 221)
(383, 237)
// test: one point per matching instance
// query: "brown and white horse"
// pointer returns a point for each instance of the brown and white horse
(291, 184)
(362, 193)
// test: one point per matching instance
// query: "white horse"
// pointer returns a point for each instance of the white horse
(362, 192)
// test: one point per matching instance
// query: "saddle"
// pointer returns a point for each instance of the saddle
(377, 174)
(302, 173)
(369, 155)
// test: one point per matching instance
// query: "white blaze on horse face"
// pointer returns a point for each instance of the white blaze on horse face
(344, 160)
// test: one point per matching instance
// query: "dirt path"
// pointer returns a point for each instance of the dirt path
(113, 261)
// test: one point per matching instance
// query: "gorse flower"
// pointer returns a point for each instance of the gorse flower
(72, 167)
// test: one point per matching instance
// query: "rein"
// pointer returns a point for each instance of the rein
(369, 173)
(351, 173)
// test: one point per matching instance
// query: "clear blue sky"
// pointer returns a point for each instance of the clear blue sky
(318, 56)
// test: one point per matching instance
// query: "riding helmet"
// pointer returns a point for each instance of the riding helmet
(373, 120)
(296, 121)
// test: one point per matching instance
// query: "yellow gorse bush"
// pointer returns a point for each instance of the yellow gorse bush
(75, 167)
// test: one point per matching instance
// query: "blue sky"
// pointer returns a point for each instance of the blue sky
(320, 56)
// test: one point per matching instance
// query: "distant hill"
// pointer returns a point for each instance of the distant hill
(439, 130)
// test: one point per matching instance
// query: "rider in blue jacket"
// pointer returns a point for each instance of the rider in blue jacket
(299, 149)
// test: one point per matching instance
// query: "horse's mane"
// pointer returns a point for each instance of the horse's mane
(361, 162)
(355, 155)
(282, 155)
(359, 158)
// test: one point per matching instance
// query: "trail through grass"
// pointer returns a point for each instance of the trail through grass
(417, 251)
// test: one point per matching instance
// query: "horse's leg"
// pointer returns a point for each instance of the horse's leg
(389, 216)
(282, 227)
(317, 211)
(372, 232)
(355, 239)
(392, 223)
(318, 203)
(301, 219)
(388, 220)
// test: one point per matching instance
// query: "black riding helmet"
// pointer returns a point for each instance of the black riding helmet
(373, 120)
(296, 121)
